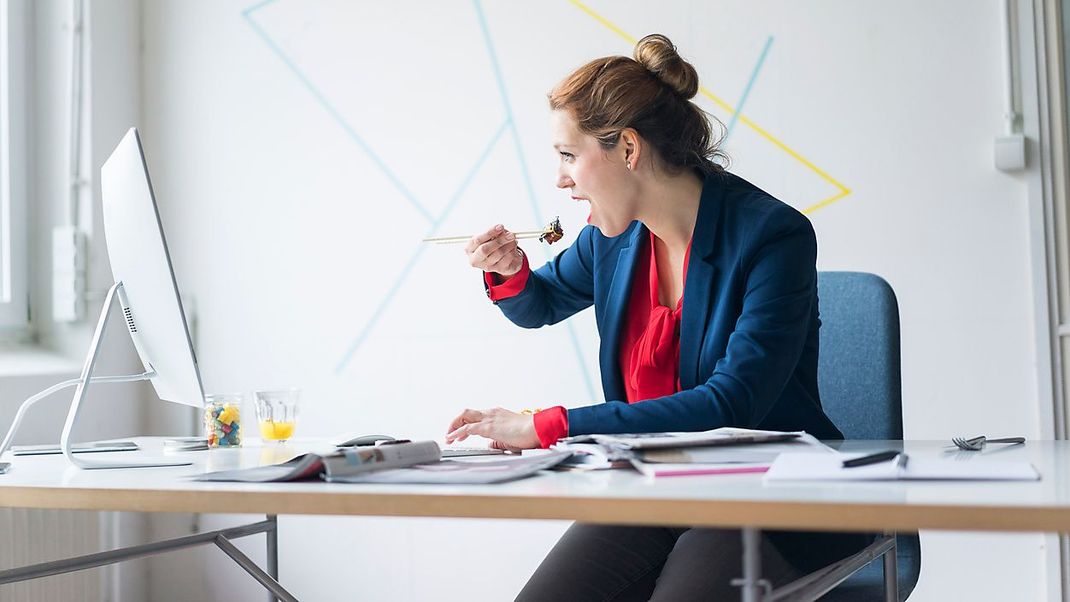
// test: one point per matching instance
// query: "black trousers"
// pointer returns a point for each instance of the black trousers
(599, 563)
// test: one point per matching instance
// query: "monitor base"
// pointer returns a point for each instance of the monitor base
(99, 464)
(116, 291)
(82, 383)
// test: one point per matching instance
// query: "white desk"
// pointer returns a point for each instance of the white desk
(612, 497)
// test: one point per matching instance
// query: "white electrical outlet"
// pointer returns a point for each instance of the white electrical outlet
(1010, 152)
(68, 273)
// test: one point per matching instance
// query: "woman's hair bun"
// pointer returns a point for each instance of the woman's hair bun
(658, 54)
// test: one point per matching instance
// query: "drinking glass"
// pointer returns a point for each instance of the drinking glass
(276, 411)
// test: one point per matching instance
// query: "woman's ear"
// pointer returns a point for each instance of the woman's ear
(633, 148)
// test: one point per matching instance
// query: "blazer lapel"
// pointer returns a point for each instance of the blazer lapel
(616, 304)
(698, 288)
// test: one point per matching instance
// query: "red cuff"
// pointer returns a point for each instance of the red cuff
(550, 425)
(509, 288)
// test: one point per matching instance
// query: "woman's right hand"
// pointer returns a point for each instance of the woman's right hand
(495, 251)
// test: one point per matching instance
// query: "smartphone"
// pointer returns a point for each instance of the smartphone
(4, 467)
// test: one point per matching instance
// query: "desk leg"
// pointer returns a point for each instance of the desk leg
(750, 584)
(250, 567)
(891, 573)
(273, 552)
(220, 538)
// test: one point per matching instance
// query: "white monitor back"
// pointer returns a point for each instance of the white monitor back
(152, 308)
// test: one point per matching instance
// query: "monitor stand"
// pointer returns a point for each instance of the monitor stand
(87, 378)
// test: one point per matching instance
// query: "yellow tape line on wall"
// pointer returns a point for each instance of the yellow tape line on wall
(843, 190)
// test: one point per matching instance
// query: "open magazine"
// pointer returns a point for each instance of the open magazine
(344, 462)
(416, 462)
(461, 472)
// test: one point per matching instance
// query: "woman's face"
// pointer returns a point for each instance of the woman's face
(594, 175)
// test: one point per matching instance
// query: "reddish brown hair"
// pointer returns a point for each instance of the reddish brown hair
(649, 93)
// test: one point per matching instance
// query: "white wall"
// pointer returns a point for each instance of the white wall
(268, 128)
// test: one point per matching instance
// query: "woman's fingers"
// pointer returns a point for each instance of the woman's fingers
(509, 264)
(480, 428)
(465, 417)
(479, 258)
(506, 249)
(468, 422)
(495, 251)
(460, 434)
(479, 239)
(506, 429)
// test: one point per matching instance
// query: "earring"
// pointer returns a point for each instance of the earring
(628, 165)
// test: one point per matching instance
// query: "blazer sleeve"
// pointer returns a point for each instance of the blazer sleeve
(780, 286)
(558, 289)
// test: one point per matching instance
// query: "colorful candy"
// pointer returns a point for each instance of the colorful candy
(222, 423)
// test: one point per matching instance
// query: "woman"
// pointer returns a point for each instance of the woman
(705, 296)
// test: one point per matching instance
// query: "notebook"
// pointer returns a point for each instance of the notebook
(829, 467)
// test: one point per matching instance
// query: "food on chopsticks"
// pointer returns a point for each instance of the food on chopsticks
(552, 232)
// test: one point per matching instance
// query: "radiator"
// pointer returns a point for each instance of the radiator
(31, 536)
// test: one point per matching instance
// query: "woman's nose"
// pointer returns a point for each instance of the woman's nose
(563, 181)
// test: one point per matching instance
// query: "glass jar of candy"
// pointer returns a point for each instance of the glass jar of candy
(222, 419)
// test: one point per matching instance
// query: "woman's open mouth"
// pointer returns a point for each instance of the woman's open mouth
(579, 198)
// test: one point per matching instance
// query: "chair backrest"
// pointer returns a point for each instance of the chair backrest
(861, 392)
(858, 364)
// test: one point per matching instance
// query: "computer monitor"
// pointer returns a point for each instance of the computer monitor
(139, 259)
(148, 297)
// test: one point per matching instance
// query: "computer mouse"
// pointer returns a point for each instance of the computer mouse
(363, 440)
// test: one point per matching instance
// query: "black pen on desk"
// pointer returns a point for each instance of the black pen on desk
(898, 456)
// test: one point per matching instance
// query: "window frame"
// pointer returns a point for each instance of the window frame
(14, 216)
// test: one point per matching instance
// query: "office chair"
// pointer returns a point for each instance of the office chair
(861, 392)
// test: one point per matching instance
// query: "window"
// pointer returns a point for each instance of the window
(14, 224)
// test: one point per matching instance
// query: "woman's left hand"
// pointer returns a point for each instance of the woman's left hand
(506, 429)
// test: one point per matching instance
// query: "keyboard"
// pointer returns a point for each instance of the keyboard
(78, 448)
(457, 451)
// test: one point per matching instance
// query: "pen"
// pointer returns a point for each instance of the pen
(900, 457)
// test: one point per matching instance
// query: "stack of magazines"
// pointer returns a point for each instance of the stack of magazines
(720, 451)
(725, 450)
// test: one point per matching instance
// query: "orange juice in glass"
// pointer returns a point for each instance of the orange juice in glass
(276, 412)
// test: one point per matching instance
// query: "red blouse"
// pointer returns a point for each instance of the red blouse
(649, 347)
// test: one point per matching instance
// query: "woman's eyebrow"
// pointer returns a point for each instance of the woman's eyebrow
(560, 146)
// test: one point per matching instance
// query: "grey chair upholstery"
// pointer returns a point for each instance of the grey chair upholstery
(861, 392)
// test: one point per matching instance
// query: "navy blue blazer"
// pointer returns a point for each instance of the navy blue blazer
(749, 329)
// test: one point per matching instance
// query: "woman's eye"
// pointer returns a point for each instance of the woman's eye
(567, 156)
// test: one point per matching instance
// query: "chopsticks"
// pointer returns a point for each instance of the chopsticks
(550, 234)
(448, 240)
